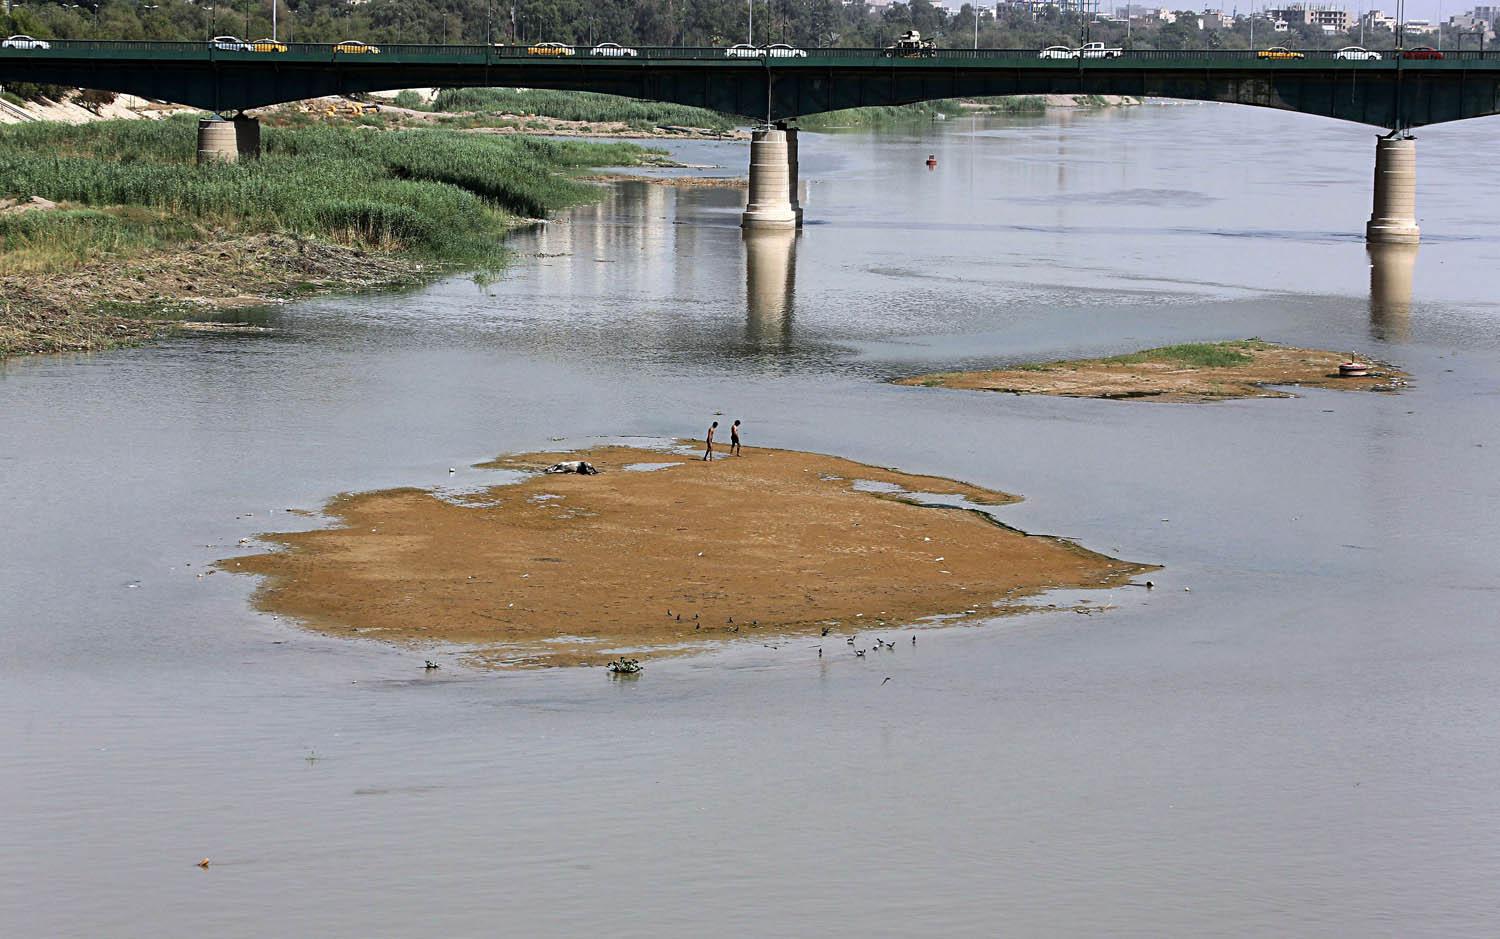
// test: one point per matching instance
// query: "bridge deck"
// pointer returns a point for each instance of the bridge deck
(1386, 92)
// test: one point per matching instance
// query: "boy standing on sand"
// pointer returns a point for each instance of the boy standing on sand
(709, 453)
(734, 439)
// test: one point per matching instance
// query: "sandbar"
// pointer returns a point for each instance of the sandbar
(1244, 368)
(572, 570)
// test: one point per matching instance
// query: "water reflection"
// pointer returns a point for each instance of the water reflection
(1390, 291)
(770, 286)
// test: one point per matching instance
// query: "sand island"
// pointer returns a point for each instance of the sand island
(1199, 371)
(646, 557)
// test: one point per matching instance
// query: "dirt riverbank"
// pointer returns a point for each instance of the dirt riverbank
(570, 570)
(119, 301)
(1191, 372)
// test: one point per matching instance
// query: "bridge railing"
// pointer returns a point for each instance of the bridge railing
(470, 54)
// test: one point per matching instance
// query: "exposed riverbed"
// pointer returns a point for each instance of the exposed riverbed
(1300, 743)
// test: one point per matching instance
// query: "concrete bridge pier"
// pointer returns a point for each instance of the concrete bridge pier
(770, 201)
(247, 136)
(791, 167)
(1394, 219)
(221, 141)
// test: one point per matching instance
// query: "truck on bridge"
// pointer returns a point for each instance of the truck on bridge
(911, 45)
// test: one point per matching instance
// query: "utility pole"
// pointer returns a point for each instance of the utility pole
(751, 37)
(273, 19)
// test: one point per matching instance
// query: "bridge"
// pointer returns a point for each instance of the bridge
(1393, 92)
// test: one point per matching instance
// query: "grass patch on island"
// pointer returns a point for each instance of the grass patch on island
(1190, 371)
(1196, 354)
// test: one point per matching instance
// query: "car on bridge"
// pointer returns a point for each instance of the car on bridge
(1098, 50)
(230, 44)
(24, 42)
(1357, 54)
(1422, 52)
(550, 48)
(267, 45)
(781, 50)
(355, 47)
(743, 51)
(1057, 52)
(1279, 52)
(613, 49)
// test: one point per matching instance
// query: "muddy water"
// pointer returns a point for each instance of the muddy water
(1302, 743)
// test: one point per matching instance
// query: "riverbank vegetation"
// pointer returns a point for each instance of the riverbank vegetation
(585, 106)
(128, 193)
(885, 116)
(1194, 371)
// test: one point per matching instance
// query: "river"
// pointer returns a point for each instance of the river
(1294, 734)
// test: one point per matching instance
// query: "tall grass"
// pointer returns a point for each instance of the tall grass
(443, 194)
(56, 242)
(587, 106)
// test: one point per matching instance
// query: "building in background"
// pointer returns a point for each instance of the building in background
(1330, 19)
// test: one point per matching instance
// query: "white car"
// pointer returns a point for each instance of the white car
(1357, 54)
(783, 51)
(231, 44)
(24, 42)
(1057, 52)
(613, 49)
(1098, 50)
(743, 51)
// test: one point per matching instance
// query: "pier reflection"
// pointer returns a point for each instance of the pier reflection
(1390, 291)
(770, 285)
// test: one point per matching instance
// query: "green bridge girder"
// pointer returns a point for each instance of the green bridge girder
(1389, 93)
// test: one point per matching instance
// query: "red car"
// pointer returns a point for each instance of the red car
(1422, 52)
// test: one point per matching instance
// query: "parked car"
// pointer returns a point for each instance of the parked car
(613, 49)
(24, 42)
(1098, 50)
(1422, 52)
(1279, 52)
(1057, 52)
(229, 44)
(268, 45)
(781, 50)
(743, 51)
(1357, 54)
(550, 48)
(355, 47)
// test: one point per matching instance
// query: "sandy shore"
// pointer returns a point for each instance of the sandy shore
(1178, 373)
(571, 570)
